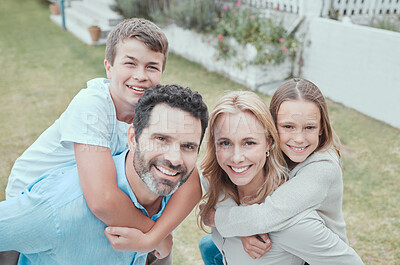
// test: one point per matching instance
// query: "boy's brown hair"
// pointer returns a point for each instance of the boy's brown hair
(141, 29)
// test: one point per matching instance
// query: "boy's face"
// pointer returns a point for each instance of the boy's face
(136, 68)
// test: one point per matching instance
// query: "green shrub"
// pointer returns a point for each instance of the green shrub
(248, 26)
(198, 15)
(139, 8)
(387, 23)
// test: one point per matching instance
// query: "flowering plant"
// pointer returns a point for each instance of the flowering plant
(95, 24)
(247, 26)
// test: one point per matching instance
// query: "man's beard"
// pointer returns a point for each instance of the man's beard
(162, 187)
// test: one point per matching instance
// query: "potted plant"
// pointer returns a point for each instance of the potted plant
(95, 32)
(54, 8)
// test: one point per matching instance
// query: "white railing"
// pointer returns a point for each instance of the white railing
(363, 7)
(340, 7)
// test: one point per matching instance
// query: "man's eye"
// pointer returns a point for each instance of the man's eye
(188, 147)
(160, 138)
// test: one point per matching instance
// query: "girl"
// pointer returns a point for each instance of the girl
(307, 141)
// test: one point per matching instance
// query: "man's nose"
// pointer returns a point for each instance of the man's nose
(174, 155)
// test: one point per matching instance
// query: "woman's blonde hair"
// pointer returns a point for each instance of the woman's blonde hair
(218, 180)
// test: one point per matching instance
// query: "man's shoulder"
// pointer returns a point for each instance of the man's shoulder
(58, 186)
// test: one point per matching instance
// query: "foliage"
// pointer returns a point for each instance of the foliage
(59, 65)
(388, 23)
(247, 26)
(139, 8)
(192, 14)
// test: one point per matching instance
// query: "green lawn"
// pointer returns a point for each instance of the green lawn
(43, 67)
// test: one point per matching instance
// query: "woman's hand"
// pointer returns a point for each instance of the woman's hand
(257, 245)
(209, 219)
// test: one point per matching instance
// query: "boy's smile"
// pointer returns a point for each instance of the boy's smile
(135, 68)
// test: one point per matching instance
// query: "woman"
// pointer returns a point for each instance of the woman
(243, 164)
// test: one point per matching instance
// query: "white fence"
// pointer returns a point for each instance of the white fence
(356, 65)
(341, 7)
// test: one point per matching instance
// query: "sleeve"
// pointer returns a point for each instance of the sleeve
(87, 120)
(27, 224)
(284, 207)
(313, 242)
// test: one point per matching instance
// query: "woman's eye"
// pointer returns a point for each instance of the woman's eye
(250, 143)
(224, 143)
(310, 127)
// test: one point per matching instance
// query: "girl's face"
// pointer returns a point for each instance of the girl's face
(299, 128)
(241, 148)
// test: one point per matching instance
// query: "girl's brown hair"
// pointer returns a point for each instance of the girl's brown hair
(302, 89)
(219, 183)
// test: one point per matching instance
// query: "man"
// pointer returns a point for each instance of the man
(50, 223)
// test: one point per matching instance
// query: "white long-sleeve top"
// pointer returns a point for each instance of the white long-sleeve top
(315, 184)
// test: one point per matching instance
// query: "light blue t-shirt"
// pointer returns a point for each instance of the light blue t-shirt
(50, 223)
(90, 118)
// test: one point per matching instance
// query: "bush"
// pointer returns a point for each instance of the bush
(139, 8)
(191, 14)
(247, 26)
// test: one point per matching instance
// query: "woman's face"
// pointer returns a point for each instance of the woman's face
(299, 128)
(241, 148)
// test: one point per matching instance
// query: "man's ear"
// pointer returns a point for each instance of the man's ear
(131, 138)
(108, 66)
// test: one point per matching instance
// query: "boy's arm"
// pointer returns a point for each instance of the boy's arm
(179, 206)
(106, 201)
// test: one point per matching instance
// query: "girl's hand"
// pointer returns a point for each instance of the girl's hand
(128, 239)
(209, 219)
(164, 248)
(257, 245)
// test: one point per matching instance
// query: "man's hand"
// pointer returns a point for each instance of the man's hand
(209, 219)
(257, 245)
(128, 239)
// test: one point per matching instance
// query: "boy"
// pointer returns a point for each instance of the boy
(93, 128)
(61, 228)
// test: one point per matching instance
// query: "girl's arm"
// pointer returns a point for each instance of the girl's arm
(107, 202)
(313, 242)
(286, 205)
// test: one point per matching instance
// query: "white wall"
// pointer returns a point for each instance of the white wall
(357, 66)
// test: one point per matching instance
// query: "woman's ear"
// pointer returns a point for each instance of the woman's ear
(269, 142)
(131, 138)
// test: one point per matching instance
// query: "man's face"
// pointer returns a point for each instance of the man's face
(166, 151)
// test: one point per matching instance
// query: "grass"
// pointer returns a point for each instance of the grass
(44, 67)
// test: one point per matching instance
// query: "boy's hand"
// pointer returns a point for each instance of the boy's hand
(164, 248)
(209, 219)
(256, 245)
(128, 239)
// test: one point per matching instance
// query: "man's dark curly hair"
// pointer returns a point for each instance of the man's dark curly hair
(174, 96)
